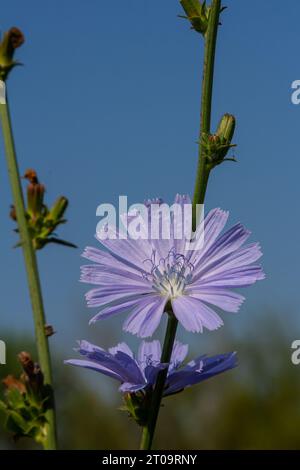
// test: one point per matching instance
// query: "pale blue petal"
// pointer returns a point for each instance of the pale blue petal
(223, 298)
(145, 318)
(123, 347)
(179, 354)
(199, 370)
(94, 366)
(195, 315)
(149, 349)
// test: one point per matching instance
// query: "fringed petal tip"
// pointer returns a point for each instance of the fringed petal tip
(94, 319)
(135, 331)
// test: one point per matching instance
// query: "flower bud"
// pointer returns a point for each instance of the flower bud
(32, 375)
(225, 133)
(26, 361)
(137, 406)
(58, 209)
(26, 402)
(216, 146)
(11, 40)
(197, 13)
(41, 220)
(35, 199)
(31, 176)
(226, 128)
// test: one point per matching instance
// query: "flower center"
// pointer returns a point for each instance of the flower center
(170, 275)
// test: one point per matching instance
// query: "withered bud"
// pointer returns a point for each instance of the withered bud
(49, 330)
(35, 198)
(15, 39)
(11, 40)
(31, 176)
(10, 382)
(32, 375)
(26, 362)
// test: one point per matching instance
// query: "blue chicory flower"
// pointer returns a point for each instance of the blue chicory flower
(140, 373)
(143, 277)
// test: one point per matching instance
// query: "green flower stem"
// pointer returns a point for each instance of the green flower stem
(149, 429)
(203, 169)
(199, 195)
(31, 267)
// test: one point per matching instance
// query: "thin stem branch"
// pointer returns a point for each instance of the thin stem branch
(31, 266)
(206, 101)
(149, 429)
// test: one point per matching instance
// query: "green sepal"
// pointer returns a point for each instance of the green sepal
(24, 415)
(137, 405)
(215, 147)
(197, 13)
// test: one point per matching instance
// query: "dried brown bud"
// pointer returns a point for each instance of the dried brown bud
(26, 362)
(11, 40)
(16, 37)
(31, 176)
(49, 330)
(32, 375)
(35, 199)
(10, 382)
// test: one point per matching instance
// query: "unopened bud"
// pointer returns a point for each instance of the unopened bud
(226, 128)
(58, 209)
(197, 13)
(137, 406)
(216, 146)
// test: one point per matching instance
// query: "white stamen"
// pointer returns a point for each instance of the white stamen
(170, 275)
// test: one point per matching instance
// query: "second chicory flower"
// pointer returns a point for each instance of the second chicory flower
(140, 372)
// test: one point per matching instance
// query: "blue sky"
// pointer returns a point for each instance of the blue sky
(107, 103)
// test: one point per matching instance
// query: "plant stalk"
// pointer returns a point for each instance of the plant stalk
(202, 177)
(149, 429)
(34, 285)
(210, 42)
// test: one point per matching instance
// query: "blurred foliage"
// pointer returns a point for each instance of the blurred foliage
(26, 401)
(255, 406)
